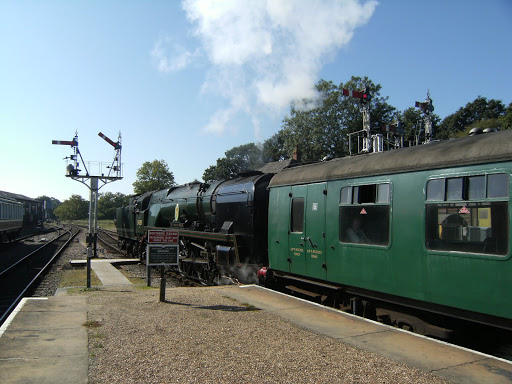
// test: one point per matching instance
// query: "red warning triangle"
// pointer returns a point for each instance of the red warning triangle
(464, 210)
(363, 212)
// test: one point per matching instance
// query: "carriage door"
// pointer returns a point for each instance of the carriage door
(307, 230)
(315, 231)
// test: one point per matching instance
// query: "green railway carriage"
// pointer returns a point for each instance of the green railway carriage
(426, 227)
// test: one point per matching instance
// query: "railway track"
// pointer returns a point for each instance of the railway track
(109, 239)
(21, 277)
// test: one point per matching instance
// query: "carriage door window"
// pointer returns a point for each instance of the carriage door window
(297, 218)
(364, 214)
(468, 214)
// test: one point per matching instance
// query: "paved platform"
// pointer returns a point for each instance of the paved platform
(44, 342)
(105, 270)
(458, 365)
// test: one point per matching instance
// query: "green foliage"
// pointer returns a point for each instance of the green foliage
(152, 176)
(505, 121)
(320, 128)
(75, 208)
(107, 204)
(274, 148)
(242, 158)
(51, 203)
(412, 121)
(472, 115)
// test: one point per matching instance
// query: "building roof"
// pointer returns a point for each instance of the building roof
(18, 196)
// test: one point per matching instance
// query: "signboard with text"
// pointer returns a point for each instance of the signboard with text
(163, 236)
(162, 249)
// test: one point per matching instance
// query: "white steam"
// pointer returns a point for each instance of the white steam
(265, 53)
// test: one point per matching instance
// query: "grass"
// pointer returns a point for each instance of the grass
(92, 324)
(250, 307)
(77, 277)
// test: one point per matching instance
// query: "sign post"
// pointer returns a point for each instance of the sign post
(162, 251)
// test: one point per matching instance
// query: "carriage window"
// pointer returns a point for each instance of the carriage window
(383, 193)
(364, 218)
(366, 194)
(435, 189)
(346, 195)
(476, 187)
(454, 189)
(497, 185)
(297, 217)
(466, 221)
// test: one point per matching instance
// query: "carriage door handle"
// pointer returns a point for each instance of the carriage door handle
(310, 242)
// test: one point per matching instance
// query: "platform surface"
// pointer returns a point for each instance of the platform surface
(105, 270)
(46, 342)
(458, 365)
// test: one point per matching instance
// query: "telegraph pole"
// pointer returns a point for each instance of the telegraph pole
(73, 172)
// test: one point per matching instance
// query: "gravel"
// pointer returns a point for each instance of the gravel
(200, 336)
(48, 286)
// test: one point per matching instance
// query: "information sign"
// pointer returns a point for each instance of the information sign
(163, 237)
(162, 255)
(162, 247)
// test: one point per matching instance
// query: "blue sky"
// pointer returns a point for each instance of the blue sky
(187, 81)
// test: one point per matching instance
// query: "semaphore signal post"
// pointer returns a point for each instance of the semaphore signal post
(74, 172)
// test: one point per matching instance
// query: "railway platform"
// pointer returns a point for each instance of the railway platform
(45, 341)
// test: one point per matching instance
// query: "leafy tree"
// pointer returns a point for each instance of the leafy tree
(274, 148)
(321, 129)
(152, 176)
(473, 114)
(75, 208)
(412, 122)
(51, 203)
(238, 159)
(505, 121)
(107, 204)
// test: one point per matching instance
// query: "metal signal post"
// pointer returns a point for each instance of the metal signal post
(427, 107)
(73, 171)
(365, 98)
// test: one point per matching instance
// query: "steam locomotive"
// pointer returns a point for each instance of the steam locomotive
(433, 225)
(222, 226)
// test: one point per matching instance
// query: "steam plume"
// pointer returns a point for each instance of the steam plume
(267, 53)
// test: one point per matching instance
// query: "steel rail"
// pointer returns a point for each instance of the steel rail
(42, 270)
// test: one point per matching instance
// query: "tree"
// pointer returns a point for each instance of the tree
(107, 204)
(274, 148)
(320, 128)
(412, 122)
(479, 110)
(506, 120)
(153, 176)
(75, 208)
(242, 158)
(51, 203)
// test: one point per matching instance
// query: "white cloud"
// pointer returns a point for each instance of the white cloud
(170, 56)
(266, 53)
(219, 121)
